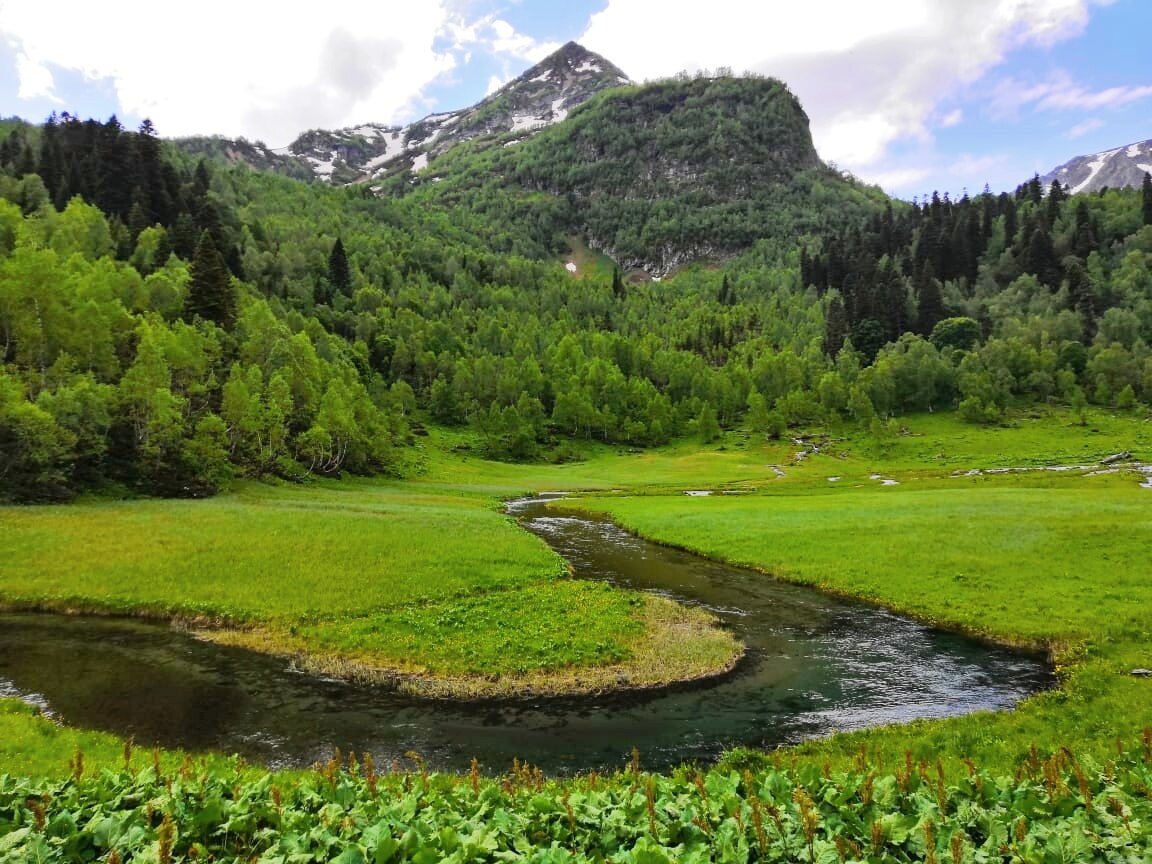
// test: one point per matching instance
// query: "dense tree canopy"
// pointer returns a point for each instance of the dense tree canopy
(244, 323)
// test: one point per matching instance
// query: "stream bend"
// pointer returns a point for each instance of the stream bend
(816, 665)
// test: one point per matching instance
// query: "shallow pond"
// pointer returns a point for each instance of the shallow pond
(816, 665)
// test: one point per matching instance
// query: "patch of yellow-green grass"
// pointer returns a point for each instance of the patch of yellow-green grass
(560, 653)
(590, 264)
(922, 445)
(740, 459)
(1033, 438)
(1062, 563)
(33, 745)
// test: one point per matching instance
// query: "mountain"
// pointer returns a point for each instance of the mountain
(656, 176)
(1124, 166)
(543, 95)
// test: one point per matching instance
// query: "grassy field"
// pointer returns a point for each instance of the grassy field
(1047, 559)
(376, 579)
(352, 571)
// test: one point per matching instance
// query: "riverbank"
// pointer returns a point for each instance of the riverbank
(439, 534)
(435, 593)
(1046, 560)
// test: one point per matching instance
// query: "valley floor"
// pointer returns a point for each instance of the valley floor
(365, 571)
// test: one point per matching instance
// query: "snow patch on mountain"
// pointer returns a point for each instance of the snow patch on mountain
(1117, 168)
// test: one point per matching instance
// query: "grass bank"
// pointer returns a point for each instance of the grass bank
(431, 588)
(1054, 561)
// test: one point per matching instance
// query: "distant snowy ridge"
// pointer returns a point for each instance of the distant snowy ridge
(1117, 168)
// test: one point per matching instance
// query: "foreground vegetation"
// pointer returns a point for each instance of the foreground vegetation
(1056, 809)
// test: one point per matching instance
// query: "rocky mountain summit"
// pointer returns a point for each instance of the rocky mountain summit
(1121, 167)
(536, 99)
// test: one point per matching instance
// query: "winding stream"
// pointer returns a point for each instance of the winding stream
(816, 665)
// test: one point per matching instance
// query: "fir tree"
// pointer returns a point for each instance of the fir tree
(835, 326)
(210, 292)
(1040, 258)
(930, 309)
(339, 274)
(1147, 195)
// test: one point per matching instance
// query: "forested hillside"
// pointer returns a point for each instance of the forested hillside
(166, 324)
(660, 175)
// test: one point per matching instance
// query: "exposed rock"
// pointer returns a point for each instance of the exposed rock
(1116, 457)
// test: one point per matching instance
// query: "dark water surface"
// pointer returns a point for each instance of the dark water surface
(816, 665)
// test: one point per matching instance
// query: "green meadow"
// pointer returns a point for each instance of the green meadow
(1055, 561)
(424, 575)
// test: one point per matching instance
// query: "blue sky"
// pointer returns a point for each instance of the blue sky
(916, 95)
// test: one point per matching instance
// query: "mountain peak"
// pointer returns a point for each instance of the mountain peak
(573, 59)
(541, 96)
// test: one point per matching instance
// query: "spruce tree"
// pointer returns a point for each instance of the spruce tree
(339, 274)
(835, 326)
(725, 297)
(1056, 197)
(1084, 242)
(930, 309)
(619, 291)
(210, 292)
(1082, 295)
(1147, 191)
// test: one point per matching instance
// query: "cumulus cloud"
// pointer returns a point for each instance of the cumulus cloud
(249, 69)
(952, 118)
(868, 74)
(35, 79)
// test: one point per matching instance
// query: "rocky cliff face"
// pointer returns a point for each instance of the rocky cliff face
(1124, 166)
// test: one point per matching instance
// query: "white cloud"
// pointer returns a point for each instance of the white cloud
(1059, 92)
(239, 68)
(898, 178)
(506, 41)
(952, 118)
(868, 74)
(969, 168)
(35, 79)
(1082, 129)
